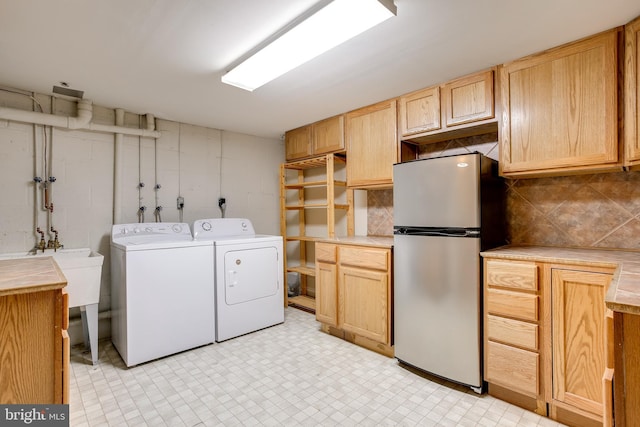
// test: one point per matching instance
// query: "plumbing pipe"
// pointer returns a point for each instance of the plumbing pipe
(123, 130)
(151, 122)
(83, 118)
(81, 122)
(117, 176)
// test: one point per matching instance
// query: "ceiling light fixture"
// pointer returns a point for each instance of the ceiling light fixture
(311, 35)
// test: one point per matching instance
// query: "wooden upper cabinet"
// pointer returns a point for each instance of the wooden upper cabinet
(327, 136)
(371, 136)
(419, 111)
(459, 108)
(469, 99)
(297, 143)
(323, 137)
(560, 109)
(632, 93)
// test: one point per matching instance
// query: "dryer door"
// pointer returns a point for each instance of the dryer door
(250, 274)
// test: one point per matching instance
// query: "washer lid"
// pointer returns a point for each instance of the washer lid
(138, 245)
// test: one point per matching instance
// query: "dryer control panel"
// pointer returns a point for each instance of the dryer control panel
(207, 229)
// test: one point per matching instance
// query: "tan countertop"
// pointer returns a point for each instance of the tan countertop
(377, 241)
(24, 275)
(624, 292)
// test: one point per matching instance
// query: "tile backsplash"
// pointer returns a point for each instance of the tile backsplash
(597, 210)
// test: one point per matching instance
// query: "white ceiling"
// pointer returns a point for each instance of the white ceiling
(166, 57)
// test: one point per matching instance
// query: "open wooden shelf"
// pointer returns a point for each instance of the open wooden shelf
(298, 196)
(303, 302)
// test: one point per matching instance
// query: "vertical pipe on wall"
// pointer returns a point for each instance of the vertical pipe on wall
(36, 178)
(117, 175)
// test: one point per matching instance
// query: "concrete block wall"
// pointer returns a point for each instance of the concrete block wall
(197, 163)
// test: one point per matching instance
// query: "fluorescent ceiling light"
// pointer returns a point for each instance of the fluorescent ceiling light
(330, 26)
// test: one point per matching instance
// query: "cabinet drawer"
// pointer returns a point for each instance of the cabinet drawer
(513, 304)
(514, 332)
(512, 367)
(512, 275)
(325, 252)
(364, 257)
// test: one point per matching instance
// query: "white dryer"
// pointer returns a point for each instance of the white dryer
(162, 301)
(249, 279)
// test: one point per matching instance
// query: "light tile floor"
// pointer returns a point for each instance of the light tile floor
(287, 375)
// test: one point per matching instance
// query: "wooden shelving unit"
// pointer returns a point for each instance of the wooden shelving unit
(298, 180)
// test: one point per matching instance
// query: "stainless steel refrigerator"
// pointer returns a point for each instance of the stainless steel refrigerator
(445, 211)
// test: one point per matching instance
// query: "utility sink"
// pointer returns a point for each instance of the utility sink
(83, 269)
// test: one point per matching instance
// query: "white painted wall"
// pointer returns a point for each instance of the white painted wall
(200, 164)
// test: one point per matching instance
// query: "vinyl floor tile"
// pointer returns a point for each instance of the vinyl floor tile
(287, 375)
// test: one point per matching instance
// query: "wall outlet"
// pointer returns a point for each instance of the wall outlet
(180, 202)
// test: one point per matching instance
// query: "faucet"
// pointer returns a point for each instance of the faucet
(55, 244)
(42, 245)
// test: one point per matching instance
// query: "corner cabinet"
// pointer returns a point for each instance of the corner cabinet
(354, 294)
(314, 203)
(371, 139)
(560, 109)
(547, 338)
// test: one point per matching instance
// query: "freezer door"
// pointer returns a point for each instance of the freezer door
(439, 192)
(437, 305)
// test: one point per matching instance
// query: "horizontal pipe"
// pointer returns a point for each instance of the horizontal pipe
(124, 130)
(81, 122)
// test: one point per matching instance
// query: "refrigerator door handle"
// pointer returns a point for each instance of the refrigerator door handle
(442, 232)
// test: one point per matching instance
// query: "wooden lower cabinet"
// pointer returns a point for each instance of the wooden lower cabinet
(326, 293)
(627, 368)
(548, 343)
(34, 350)
(578, 341)
(363, 302)
(353, 294)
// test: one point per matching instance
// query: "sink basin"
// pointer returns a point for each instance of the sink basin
(81, 267)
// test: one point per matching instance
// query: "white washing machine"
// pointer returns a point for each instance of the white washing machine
(249, 279)
(162, 301)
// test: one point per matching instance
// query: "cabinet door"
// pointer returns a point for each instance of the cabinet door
(327, 135)
(632, 92)
(469, 99)
(363, 307)
(420, 111)
(371, 135)
(578, 340)
(326, 293)
(560, 108)
(31, 350)
(297, 143)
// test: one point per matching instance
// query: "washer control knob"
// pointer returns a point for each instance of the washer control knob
(124, 230)
(177, 228)
(136, 230)
(148, 229)
(244, 225)
(206, 226)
